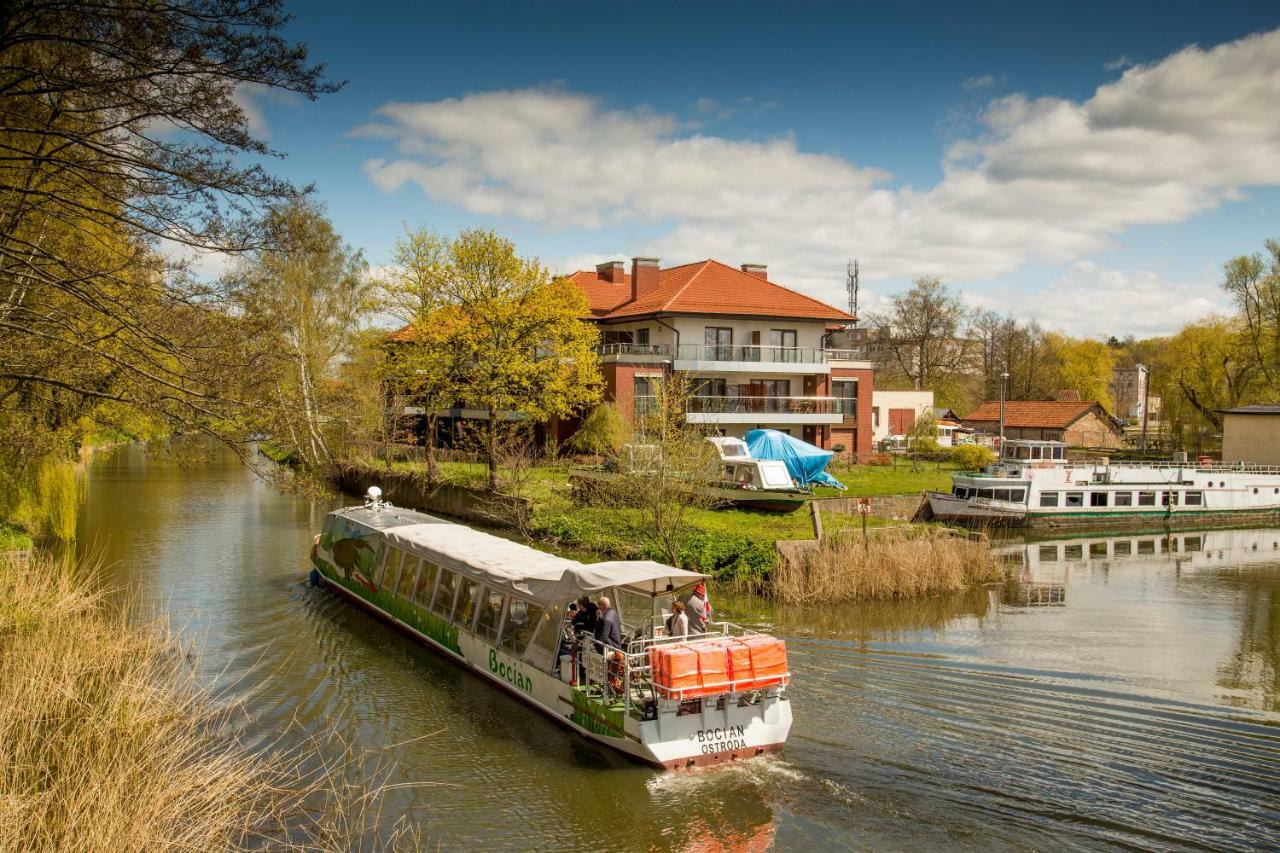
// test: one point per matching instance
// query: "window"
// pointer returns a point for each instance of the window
(1075, 498)
(1073, 552)
(517, 628)
(1146, 498)
(1097, 549)
(1002, 494)
(1123, 549)
(426, 581)
(1123, 498)
(391, 569)
(490, 615)
(1169, 499)
(469, 598)
(986, 493)
(644, 393)
(960, 492)
(719, 343)
(442, 602)
(785, 340)
(1018, 495)
(1097, 499)
(642, 337)
(541, 653)
(1048, 499)
(1049, 553)
(1022, 452)
(1194, 499)
(404, 588)
(1035, 452)
(1146, 546)
(875, 417)
(847, 394)
(1059, 453)
(710, 388)
(615, 336)
(1192, 543)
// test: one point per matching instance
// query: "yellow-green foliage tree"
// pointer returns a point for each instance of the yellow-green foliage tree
(1253, 281)
(514, 333)
(1083, 365)
(1208, 366)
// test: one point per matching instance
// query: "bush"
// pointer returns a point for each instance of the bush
(927, 444)
(972, 457)
(879, 459)
(837, 448)
(602, 433)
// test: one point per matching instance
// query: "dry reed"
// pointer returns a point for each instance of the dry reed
(109, 742)
(889, 566)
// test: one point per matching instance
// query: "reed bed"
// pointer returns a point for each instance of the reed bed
(892, 565)
(109, 742)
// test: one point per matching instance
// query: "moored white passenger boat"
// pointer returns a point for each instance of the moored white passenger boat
(498, 608)
(1034, 483)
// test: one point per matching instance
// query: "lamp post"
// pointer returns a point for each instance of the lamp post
(1004, 378)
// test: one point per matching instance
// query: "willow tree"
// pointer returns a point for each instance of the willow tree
(122, 132)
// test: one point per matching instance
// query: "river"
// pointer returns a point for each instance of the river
(1117, 692)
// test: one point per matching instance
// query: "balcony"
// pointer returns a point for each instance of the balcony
(760, 410)
(643, 353)
(750, 358)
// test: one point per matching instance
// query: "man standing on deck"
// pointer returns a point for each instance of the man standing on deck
(608, 624)
(697, 610)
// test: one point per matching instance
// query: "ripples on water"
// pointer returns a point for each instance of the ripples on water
(1098, 699)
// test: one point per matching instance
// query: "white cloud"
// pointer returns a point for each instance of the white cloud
(1119, 64)
(1045, 179)
(983, 81)
(1092, 300)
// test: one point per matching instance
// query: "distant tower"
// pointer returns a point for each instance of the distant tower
(851, 282)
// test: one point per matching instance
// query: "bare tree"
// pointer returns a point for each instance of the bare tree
(926, 333)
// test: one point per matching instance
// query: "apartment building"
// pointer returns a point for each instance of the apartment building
(759, 353)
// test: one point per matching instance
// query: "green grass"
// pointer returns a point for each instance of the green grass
(13, 537)
(899, 479)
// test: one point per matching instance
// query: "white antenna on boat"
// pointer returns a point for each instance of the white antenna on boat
(373, 497)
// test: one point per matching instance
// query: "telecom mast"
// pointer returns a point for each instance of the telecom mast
(851, 282)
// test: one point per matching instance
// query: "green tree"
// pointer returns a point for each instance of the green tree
(1209, 365)
(307, 294)
(1083, 365)
(602, 432)
(413, 286)
(1253, 281)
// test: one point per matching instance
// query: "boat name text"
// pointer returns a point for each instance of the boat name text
(508, 673)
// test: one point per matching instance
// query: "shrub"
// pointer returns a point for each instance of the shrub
(879, 459)
(926, 444)
(602, 433)
(837, 448)
(972, 457)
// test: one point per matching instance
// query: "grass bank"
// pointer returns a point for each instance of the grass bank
(108, 742)
(904, 563)
(13, 538)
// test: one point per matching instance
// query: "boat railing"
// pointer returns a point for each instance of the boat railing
(1189, 465)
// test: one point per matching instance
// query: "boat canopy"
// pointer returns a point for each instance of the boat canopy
(805, 462)
(526, 571)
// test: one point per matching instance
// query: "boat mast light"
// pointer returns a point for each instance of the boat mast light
(373, 498)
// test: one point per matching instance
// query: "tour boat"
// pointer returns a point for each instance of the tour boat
(1034, 483)
(499, 609)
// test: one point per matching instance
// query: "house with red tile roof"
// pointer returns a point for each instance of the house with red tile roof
(759, 352)
(1079, 423)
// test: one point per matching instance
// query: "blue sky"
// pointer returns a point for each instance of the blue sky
(1078, 164)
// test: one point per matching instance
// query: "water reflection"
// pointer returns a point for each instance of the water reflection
(1139, 710)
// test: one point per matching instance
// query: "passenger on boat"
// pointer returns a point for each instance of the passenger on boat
(696, 610)
(585, 617)
(608, 624)
(677, 622)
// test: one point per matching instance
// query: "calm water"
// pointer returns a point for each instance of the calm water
(1117, 693)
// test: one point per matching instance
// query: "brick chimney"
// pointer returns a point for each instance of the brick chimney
(611, 271)
(644, 276)
(757, 270)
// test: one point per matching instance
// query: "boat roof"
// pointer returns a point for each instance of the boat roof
(512, 566)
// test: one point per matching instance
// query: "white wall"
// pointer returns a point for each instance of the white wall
(882, 401)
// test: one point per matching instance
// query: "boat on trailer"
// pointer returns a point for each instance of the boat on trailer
(1034, 484)
(499, 609)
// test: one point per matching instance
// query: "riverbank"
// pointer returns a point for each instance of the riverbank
(109, 742)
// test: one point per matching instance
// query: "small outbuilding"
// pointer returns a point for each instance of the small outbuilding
(1251, 434)
(1079, 424)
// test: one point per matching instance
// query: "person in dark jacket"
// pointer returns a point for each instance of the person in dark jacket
(585, 618)
(608, 624)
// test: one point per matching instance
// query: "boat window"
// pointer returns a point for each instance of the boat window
(405, 587)
(1002, 494)
(442, 602)
(1146, 546)
(541, 653)
(1023, 452)
(1048, 553)
(1097, 549)
(1073, 552)
(1035, 452)
(469, 598)
(1146, 498)
(1122, 549)
(1075, 499)
(391, 569)
(426, 581)
(960, 492)
(1123, 499)
(1169, 499)
(1018, 495)
(986, 493)
(1059, 453)
(490, 615)
(1097, 499)
(517, 628)
(1192, 543)
(1048, 499)
(1194, 499)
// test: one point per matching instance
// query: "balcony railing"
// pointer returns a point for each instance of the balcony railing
(771, 405)
(777, 355)
(862, 354)
(662, 350)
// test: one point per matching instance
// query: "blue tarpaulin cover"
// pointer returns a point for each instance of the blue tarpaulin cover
(804, 462)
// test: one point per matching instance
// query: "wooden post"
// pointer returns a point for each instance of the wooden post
(817, 520)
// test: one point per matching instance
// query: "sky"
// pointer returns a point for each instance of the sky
(1089, 165)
